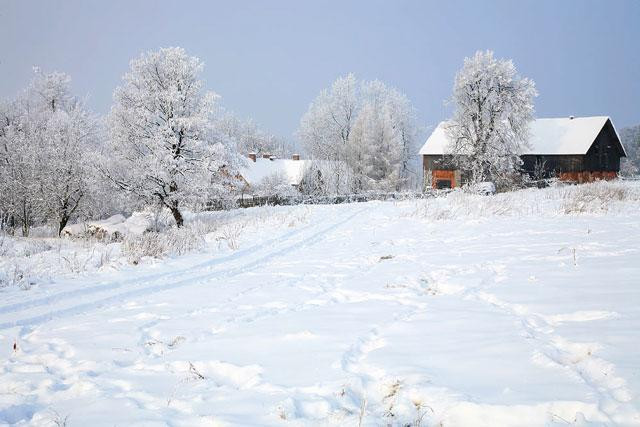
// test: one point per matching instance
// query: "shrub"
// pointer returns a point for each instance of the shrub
(230, 234)
(175, 241)
(596, 197)
(15, 276)
(593, 198)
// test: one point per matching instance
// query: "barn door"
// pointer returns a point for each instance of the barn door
(443, 183)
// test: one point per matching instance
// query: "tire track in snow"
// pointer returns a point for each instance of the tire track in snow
(193, 280)
(144, 279)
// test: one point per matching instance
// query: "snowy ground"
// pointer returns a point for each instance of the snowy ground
(518, 309)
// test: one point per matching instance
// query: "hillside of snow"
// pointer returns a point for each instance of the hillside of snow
(509, 310)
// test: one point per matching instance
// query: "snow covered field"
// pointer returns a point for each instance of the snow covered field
(514, 309)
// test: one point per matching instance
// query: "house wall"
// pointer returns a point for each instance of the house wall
(602, 161)
(587, 176)
(436, 162)
(605, 152)
(440, 177)
(553, 165)
(438, 169)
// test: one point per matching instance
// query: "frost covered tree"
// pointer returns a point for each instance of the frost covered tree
(276, 184)
(68, 136)
(630, 138)
(490, 124)
(165, 146)
(47, 142)
(248, 137)
(17, 182)
(383, 138)
(365, 129)
(325, 128)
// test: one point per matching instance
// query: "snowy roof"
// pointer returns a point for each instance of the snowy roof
(255, 172)
(548, 136)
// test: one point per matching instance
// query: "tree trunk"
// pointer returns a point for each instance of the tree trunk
(25, 219)
(62, 224)
(65, 212)
(177, 215)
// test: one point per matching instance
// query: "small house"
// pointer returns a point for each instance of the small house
(258, 169)
(578, 149)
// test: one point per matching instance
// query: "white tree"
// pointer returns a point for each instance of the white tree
(17, 182)
(47, 140)
(249, 138)
(164, 144)
(276, 184)
(367, 129)
(325, 128)
(66, 140)
(630, 139)
(319, 178)
(384, 135)
(490, 125)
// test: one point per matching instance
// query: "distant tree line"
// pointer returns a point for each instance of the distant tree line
(364, 132)
(168, 142)
(630, 137)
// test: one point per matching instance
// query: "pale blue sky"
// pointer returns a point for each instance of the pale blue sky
(269, 59)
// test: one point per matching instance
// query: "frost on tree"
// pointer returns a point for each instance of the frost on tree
(247, 137)
(630, 138)
(490, 125)
(46, 140)
(165, 146)
(365, 130)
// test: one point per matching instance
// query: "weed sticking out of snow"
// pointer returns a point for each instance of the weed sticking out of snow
(59, 420)
(230, 235)
(586, 199)
(176, 241)
(15, 276)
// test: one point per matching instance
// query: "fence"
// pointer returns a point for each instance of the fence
(251, 201)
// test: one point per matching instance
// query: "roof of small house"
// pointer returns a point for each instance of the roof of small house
(255, 172)
(559, 136)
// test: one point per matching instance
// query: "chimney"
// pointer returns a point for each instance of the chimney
(295, 157)
(571, 117)
(252, 156)
(266, 155)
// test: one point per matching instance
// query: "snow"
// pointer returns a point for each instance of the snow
(510, 309)
(115, 225)
(555, 136)
(565, 135)
(256, 172)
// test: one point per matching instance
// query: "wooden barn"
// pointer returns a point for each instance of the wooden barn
(579, 149)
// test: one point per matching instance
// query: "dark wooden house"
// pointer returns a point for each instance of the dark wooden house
(579, 149)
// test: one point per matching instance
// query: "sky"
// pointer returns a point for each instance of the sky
(269, 59)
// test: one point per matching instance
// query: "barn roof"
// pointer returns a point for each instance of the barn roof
(559, 136)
